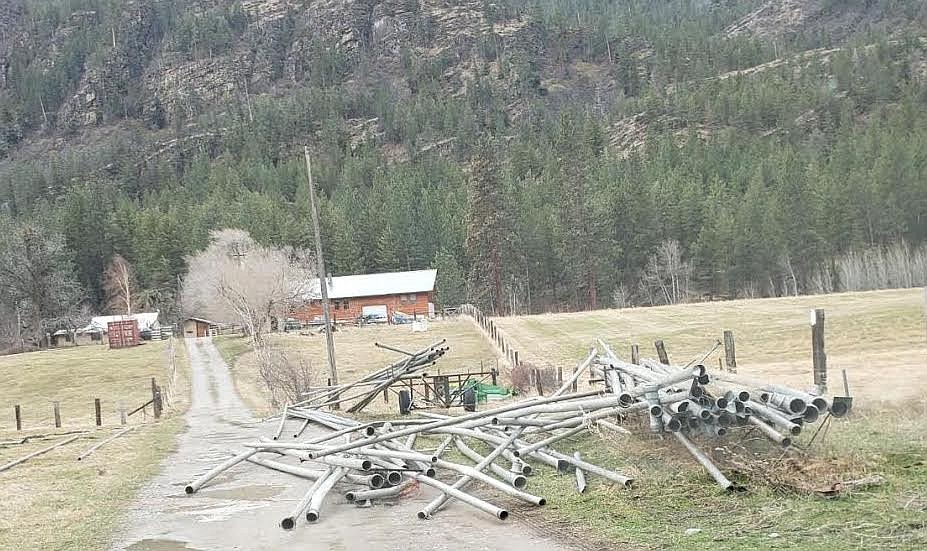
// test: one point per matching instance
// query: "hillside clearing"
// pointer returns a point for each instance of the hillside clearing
(82, 500)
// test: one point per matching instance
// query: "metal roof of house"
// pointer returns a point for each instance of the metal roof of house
(367, 285)
(146, 320)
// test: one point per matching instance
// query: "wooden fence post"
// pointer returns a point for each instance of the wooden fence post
(730, 358)
(156, 403)
(122, 414)
(661, 352)
(818, 355)
(635, 354)
(516, 358)
(17, 412)
(560, 375)
(98, 411)
(537, 381)
(575, 381)
(386, 395)
(55, 405)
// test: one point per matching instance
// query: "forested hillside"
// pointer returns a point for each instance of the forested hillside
(542, 154)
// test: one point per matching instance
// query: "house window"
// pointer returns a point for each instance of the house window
(407, 299)
(337, 305)
(412, 298)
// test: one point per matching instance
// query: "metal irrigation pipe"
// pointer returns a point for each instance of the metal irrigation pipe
(39, 452)
(517, 480)
(315, 504)
(289, 522)
(438, 424)
(549, 440)
(212, 473)
(100, 444)
(715, 473)
(363, 495)
(771, 433)
(580, 476)
(558, 395)
(775, 418)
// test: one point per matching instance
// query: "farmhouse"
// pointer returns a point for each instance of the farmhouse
(373, 295)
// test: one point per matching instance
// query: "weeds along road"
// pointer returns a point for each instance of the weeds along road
(242, 508)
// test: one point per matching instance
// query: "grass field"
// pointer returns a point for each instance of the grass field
(357, 355)
(878, 337)
(54, 501)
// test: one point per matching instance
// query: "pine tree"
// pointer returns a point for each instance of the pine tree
(485, 231)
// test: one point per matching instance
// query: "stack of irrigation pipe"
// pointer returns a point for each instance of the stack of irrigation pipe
(369, 387)
(712, 404)
(500, 448)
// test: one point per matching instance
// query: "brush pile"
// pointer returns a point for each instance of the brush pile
(502, 446)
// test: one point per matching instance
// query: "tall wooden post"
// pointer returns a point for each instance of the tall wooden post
(156, 403)
(323, 284)
(537, 381)
(818, 355)
(730, 358)
(122, 413)
(661, 352)
(635, 354)
(17, 413)
(57, 410)
(98, 412)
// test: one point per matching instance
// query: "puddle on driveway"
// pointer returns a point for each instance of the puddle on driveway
(244, 493)
(159, 545)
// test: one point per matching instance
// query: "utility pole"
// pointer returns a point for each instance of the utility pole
(323, 283)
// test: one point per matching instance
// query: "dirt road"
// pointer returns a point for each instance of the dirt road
(242, 508)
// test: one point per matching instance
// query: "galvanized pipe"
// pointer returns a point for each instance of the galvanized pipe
(315, 504)
(517, 480)
(715, 473)
(436, 425)
(288, 523)
(212, 473)
(775, 418)
(363, 495)
(526, 450)
(580, 477)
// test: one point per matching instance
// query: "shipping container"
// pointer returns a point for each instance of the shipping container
(123, 333)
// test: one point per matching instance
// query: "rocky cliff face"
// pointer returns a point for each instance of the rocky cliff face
(164, 62)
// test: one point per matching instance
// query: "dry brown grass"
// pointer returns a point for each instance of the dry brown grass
(878, 337)
(357, 355)
(75, 376)
(54, 501)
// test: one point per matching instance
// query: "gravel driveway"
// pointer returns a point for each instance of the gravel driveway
(242, 508)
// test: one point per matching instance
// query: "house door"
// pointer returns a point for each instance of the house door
(201, 329)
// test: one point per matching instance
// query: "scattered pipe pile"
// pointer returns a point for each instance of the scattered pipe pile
(501, 447)
(372, 385)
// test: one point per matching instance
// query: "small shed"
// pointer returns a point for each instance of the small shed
(199, 327)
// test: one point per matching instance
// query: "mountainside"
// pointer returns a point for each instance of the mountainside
(540, 153)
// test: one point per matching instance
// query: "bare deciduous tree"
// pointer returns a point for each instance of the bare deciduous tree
(665, 280)
(285, 375)
(239, 280)
(119, 286)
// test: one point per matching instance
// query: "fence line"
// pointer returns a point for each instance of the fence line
(494, 334)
